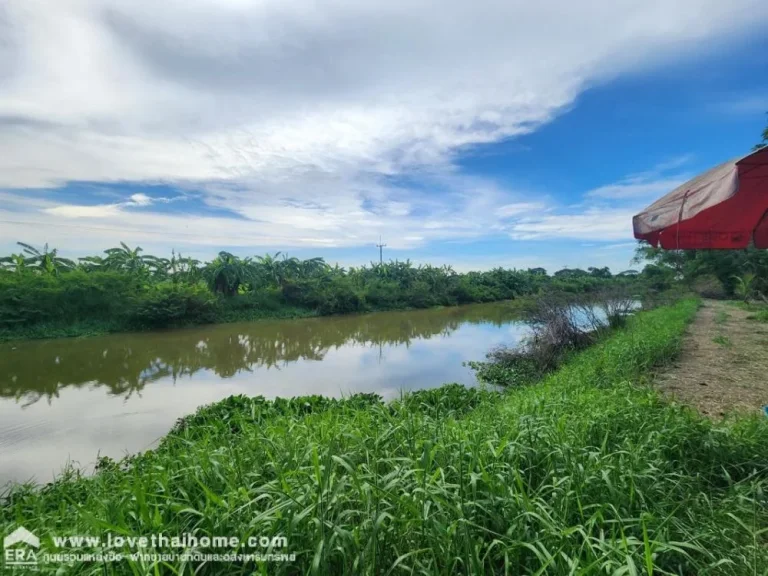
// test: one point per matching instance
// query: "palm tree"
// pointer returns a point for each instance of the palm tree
(46, 261)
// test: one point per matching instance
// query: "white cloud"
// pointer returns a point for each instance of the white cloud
(510, 210)
(619, 246)
(104, 211)
(655, 182)
(302, 118)
(606, 212)
(72, 211)
(637, 188)
(140, 199)
(589, 224)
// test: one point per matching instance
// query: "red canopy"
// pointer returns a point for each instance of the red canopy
(726, 207)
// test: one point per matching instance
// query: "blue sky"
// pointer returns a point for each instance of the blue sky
(512, 135)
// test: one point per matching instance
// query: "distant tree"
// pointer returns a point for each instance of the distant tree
(312, 267)
(91, 263)
(181, 269)
(14, 262)
(658, 277)
(688, 265)
(125, 259)
(603, 272)
(271, 268)
(571, 273)
(226, 273)
(764, 142)
(629, 272)
(46, 261)
(537, 271)
(674, 260)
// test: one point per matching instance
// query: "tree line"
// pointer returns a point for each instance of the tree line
(715, 273)
(126, 288)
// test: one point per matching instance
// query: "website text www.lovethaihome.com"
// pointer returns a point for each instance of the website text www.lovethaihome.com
(160, 540)
(22, 549)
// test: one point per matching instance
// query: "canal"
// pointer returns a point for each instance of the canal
(70, 400)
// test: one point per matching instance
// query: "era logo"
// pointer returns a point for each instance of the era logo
(24, 555)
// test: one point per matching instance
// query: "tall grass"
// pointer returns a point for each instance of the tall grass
(589, 472)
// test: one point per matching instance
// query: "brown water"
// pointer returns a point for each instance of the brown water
(69, 400)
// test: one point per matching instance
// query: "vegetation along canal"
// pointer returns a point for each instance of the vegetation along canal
(74, 399)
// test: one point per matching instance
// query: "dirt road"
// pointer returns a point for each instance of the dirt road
(724, 364)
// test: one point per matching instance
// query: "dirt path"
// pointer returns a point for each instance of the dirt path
(724, 364)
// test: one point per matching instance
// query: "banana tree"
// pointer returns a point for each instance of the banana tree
(312, 267)
(271, 268)
(745, 286)
(46, 261)
(290, 268)
(226, 273)
(91, 263)
(183, 269)
(126, 259)
(15, 262)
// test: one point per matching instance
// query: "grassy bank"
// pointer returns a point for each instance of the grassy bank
(222, 311)
(589, 472)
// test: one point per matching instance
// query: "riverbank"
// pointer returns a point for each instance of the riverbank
(226, 313)
(589, 470)
(127, 291)
(100, 327)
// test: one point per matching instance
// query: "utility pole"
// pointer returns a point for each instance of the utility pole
(380, 246)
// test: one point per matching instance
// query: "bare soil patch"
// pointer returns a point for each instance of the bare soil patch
(724, 364)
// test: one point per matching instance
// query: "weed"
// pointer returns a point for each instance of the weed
(721, 317)
(723, 340)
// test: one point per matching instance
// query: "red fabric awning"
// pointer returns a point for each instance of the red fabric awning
(724, 208)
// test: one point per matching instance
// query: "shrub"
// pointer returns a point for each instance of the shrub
(27, 299)
(560, 324)
(168, 304)
(709, 286)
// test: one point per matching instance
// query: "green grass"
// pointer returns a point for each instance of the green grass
(750, 306)
(723, 340)
(759, 310)
(721, 317)
(588, 472)
(759, 316)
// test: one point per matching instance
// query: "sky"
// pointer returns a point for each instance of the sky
(477, 134)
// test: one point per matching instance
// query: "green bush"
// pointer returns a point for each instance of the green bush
(168, 304)
(709, 286)
(27, 299)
